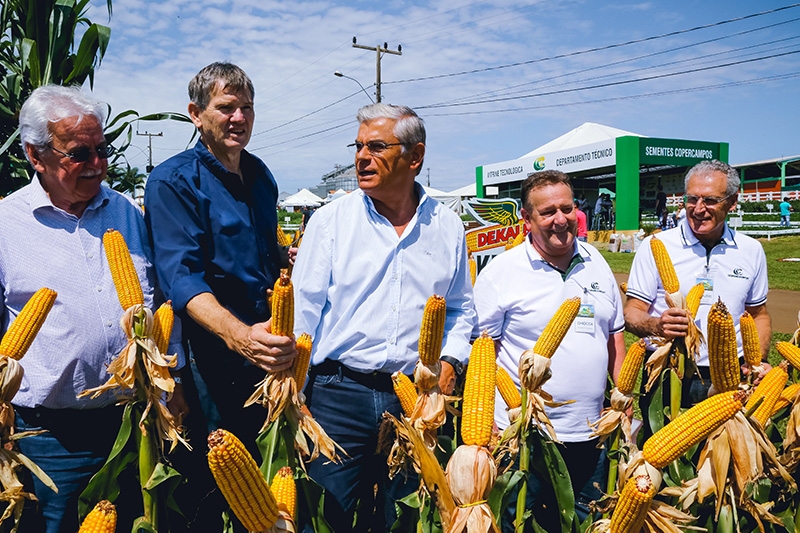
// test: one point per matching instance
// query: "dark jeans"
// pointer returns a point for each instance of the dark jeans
(351, 413)
(586, 464)
(75, 446)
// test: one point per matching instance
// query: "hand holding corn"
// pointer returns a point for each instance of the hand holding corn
(267, 351)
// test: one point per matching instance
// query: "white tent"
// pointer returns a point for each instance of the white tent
(335, 195)
(585, 134)
(304, 198)
(450, 201)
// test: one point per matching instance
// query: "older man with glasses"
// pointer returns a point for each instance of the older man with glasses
(704, 249)
(51, 236)
(367, 265)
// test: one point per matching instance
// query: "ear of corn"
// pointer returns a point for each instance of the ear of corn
(303, 359)
(508, 390)
(285, 490)
(23, 330)
(624, 287)
(477, 408)
(283, 306)
(690, 427)
(770, 389)
(557, 327)
(750, 342)
(431, 332)
(694, 297)
(472, 241)
(634, 501)
(101, 519)
(723, 355)
(241, 482)
(473, 269)
(406, 392)
(790, 352)
(666, 270)
(787, 396)
(163, 320)
(631, 367)
(129, 288)
(283, 239)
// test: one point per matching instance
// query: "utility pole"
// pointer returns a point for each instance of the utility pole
(150, 145)
(378, 51)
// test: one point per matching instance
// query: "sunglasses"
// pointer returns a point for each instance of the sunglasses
(374, 147)
(82, 154)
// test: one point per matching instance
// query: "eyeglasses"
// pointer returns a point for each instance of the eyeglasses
(374, 147)
(82, 154)
(708, 201)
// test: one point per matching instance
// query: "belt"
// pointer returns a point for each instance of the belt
(379, 381)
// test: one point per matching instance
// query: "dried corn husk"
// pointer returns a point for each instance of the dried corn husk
(470, 473)
(614, 417)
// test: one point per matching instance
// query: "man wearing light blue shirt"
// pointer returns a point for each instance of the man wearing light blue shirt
(367, 265)
(51, 236)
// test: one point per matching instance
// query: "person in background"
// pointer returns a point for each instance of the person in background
(786, 211)
(704, 250)
(52, 236)
(582, 231)
(361, 299)
(211, 216)
(551, 267)
(661, 207)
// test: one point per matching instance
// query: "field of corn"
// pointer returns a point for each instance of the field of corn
(726, 464)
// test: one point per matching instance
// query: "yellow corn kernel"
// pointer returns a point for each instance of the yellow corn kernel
(750, 342)
(770, 389)
(406, 392)
(431, 333)
(723, 354)
(283, 306)
(241, 482)
(693, 298)
(473, 269)
(301, 362)
(508, 390)
(285, 490)
(101, 519)
(472, 242)
(631, 509)
(690, 427)
(624, 287)
(666, 270)
(790, 352)
(787, 397)
(29, 321)
(557, 327)
(631, 367)
(129, 288)
(163, 319)
(283, 239)
(477, 408)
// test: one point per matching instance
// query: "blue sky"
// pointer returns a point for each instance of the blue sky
(533, 71)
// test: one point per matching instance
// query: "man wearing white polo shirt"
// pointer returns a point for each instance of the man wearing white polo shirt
(515, 297)
(703, 249)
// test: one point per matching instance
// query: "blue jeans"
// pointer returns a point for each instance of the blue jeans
(351, 414)
(74, 448)
(785, 220)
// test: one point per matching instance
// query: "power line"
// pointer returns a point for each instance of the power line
(610, 84)
(597, 49)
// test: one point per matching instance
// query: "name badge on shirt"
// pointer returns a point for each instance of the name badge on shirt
(708, 293)
(584, 322)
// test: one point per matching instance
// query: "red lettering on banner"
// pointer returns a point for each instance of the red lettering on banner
(481, 240)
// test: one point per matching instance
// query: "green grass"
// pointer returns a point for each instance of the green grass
(782, 275)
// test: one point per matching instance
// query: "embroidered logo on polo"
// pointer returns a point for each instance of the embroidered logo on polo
(595, 287)
(738, 273)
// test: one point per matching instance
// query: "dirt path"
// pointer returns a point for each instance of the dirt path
(783, 307)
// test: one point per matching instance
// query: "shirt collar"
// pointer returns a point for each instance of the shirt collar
(39, 198)
(579, 255)
(690, 239)
(213, 164)
(424, 199)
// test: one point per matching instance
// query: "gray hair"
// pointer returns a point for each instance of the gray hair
(713, 165)
(52, 103)
(409, 128)
(225, 74)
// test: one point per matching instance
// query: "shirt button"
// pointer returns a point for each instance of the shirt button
(90, 255)
(109, 323)
(99, 289)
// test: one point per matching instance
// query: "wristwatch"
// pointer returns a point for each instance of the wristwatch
(457, 365)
